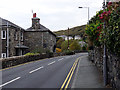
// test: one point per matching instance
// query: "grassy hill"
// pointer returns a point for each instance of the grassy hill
(78, 30)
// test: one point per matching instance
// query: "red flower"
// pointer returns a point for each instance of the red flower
(109, 12)
(97, 38)
(101, 17)
(109, 3)
(104, 13)
(98, 27)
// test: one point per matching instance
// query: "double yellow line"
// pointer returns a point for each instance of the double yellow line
(69, 76)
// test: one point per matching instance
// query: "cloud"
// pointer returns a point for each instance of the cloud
(54, 14)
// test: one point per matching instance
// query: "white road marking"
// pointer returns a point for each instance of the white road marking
(60, 59)
(36, 69)
(51, 63)
(10, 81)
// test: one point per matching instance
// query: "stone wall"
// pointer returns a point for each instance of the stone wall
(39, 39)
(113, 66)
(33, 40)
(14, 38)
(12, 61)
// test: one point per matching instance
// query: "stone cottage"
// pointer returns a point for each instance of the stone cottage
(15, 41)
(39, 37)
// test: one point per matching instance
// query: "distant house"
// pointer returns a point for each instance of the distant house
(16, 41)
(77, 37)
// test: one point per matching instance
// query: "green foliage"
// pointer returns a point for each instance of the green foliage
(64, 45)
(59, 42)
(84, 47)
(68, 52)
(27, 54)
(79, 30)
(74, 45)
(95, 30)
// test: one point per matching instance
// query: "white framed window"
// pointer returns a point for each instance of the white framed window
(3, 34)
(3, 55)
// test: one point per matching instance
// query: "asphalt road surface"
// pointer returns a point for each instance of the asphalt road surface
(47, 73)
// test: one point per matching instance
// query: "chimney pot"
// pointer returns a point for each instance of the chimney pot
(34, 15)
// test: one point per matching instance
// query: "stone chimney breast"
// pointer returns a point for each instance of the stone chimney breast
(35, 22)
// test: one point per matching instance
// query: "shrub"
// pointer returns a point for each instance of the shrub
(74, 45)
(58, 50)
(68, 52)
(27, 54)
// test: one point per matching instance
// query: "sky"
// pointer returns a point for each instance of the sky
(54, 14)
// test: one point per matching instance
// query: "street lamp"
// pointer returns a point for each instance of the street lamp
(104, 52)
(88, 12)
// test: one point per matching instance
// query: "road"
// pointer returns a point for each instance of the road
(47, 73)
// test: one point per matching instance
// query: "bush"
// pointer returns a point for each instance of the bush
(110, 35)
(58, 50)
(74, 45)
(27, 54)
(68, 52)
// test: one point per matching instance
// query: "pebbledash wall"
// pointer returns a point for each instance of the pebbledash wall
(113, 66)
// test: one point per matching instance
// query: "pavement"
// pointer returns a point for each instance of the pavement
(87, 75)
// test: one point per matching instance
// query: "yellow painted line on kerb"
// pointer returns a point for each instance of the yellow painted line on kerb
(22, 64)
(69, 76)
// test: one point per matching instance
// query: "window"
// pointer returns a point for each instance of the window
(3, 55)
(21, 36)
(3, 34)
(16, 36)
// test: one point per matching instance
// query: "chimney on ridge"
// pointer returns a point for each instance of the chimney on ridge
(35, 22)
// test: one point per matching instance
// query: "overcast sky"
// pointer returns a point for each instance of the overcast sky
(54, 14)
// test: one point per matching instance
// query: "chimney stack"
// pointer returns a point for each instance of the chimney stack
(34, 15)
(35, 22)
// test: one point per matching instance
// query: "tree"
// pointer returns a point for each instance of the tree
(75, 45)
(59, 42)
(64, 45)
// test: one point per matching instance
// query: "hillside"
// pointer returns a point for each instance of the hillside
(78, 30)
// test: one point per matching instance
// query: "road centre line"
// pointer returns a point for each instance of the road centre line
(36, 69)
(60, 59)
(10, 81)
(51, 63)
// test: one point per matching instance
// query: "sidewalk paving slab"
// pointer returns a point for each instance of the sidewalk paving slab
(87, 75)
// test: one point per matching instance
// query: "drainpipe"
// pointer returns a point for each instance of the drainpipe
(19, 42)
(7, 40)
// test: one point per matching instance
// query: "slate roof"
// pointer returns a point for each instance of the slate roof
(42, 29)
(3, 23)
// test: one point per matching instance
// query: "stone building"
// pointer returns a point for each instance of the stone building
(39, 37)
(15, 41)
(0, 36)
(11, 40)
